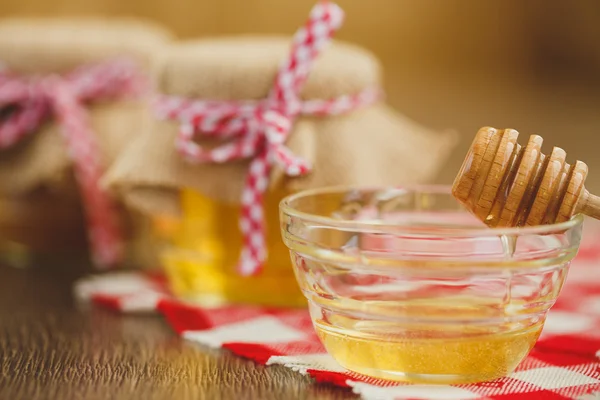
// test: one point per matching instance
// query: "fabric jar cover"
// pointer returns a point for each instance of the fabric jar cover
(373, 145)
(38, 170)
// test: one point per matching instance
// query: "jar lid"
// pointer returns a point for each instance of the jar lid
(367, 145)
(244, 68)
(57, 45)
(41, 46)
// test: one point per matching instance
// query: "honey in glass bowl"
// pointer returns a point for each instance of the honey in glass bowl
(460, 355)
(405, 284)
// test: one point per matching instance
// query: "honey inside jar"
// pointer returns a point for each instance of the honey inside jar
(40, 225)
(203, 251)
(458, 353)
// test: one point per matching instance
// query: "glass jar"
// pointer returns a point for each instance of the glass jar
(404, 284)
(50, 227)
(40, 207)
(40, 225)
(203, 247)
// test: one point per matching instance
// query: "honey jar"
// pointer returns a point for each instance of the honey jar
(202, 252)
(73, 94)
(233, 136)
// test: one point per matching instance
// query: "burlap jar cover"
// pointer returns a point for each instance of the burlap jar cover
(40, 199)
(223, 83)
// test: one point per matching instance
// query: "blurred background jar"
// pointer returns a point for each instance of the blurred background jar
(41, 213)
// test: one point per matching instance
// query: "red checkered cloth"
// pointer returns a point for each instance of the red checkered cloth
(564, 364)
(259, 129)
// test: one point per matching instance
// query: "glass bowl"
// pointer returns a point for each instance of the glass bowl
(404, 284)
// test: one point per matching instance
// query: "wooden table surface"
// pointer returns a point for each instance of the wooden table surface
(50, 348)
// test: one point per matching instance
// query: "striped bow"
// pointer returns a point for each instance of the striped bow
(259, 129)
(28, 102)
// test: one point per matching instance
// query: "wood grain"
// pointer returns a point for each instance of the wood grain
(52, 349)
(505, 185)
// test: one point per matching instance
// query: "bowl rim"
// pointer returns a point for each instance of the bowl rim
(371, 226)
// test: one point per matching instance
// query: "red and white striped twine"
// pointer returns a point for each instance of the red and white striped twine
(259, 129)
(31, 101)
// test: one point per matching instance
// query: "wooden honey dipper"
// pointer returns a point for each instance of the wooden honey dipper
(506, 185)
